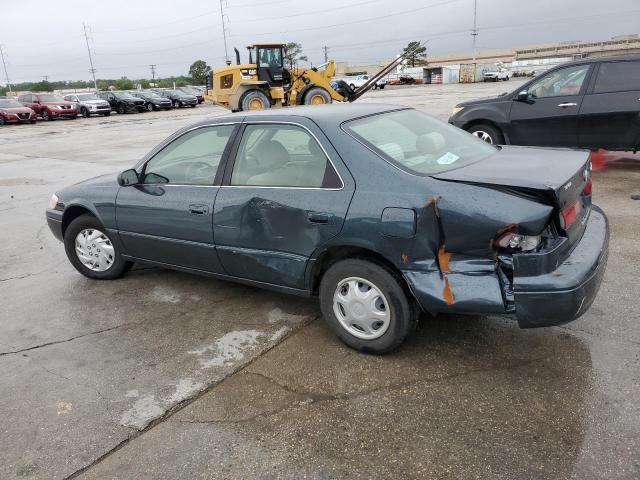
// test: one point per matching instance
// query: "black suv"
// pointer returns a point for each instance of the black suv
(123, 102)
(153, 101)
(178, 98)
(590, 103)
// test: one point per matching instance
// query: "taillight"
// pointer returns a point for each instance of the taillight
(588, 187)
(570, 213)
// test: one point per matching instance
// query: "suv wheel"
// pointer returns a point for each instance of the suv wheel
(121, 110)
(487, 133)
(85, 112)
(91, 251)
(150, 107)
(366, 306)
(45, 115)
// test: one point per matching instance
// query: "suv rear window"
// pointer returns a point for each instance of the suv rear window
(618, 77)
(417, 142)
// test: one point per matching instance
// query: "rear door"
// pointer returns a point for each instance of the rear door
(550, 115)
(610, 113)
(167, 217)
(285, 194)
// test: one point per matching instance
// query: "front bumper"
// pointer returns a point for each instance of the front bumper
(564, 293)
(54, 220)
(67, 113)
(12, 119)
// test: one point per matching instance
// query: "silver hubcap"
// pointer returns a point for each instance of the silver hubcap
(361, 308)
(94, 250)
(484, 136)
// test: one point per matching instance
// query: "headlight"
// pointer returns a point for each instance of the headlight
(54, 201)
(457, 109)
(515, 242)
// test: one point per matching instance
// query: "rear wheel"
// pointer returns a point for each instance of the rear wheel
(317, 96)
(106, 114)
(91, 251)
(121, 110)
(45, 115)
(487, 133)
(254, 100)
(366, 306)
(2, 122)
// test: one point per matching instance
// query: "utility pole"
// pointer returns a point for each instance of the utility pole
(153, 73)
(6, 74)
(92, 69)
(45, 78)
(326, 53)
(224, 35)
(474, 32)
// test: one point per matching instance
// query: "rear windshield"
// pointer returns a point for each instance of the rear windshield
(419, 143)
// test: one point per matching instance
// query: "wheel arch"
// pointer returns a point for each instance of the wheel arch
(73, 211)
(486, 121)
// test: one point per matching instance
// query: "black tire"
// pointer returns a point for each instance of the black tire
(494, 133)
(32, 122)
(193, 106)
(317, 96)
(2, 122)
(115, 270)
(150, 107)
(381, 87)
(106, 114)
(45, 115)
(73, 117)
(85, 112)
(121, 109)
(250, 99)
(403, 310)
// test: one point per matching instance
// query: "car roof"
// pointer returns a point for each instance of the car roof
(611, 58)
(334, 113)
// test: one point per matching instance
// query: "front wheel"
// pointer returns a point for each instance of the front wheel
(254, 100)
(85, 112)
(487, 133)
(366, 306)
(45, 115)
(106, 114)
(91, 251)
(317, 96)
(150, 107)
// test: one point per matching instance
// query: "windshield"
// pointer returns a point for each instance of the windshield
(4, 103)
(123, 95)
(49, 98)
(150, 94)
(87, 96)
(419, 143)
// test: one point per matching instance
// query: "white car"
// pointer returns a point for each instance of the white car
(497, 75)
(357, 82)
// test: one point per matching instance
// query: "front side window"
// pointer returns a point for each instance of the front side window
(561, 83)
(282, 156)
(191, 159)
(618, 77)
(417, 142)
(49, 98)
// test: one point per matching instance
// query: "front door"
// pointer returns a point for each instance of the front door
(284, 196)
(167, 217)
(610, 114)
(550, 115)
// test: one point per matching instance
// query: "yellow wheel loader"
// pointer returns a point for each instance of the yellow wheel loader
(264, 82)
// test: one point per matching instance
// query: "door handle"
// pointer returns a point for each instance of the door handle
(318, 217)
(198, 209)
(565, 105)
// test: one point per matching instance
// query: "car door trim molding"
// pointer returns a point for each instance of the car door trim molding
(276, 253)
(282, 122)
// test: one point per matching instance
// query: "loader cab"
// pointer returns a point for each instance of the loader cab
(269, 60)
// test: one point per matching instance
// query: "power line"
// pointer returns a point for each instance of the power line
(92, 69)
(6, 74)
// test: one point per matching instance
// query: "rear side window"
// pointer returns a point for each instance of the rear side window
(417, 142)
(618, 77)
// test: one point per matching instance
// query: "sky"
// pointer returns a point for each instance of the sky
(46, 37)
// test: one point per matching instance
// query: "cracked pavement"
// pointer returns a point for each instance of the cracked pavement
(166, 375)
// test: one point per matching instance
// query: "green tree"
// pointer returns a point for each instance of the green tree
(293, 55)
(418, 53)
(123, 83)
(199, 71)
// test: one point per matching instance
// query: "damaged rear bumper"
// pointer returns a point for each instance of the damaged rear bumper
(566, 292)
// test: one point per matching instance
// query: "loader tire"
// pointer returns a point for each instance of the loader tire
(254, 100)
(316, 96)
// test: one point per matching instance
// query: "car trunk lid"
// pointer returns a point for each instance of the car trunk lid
(558, 177)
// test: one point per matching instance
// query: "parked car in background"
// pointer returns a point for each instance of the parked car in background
(12, 111)
(381, 211)
(49, 106)
(359, 80)
(89, 104)
(196, 92)
(153, 101)
(178, 98)
(123, 102)
(590, 103)
(496, 75)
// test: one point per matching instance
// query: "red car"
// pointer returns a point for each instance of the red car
(11, 111)
(49, 106)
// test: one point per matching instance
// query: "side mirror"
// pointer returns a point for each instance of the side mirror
(128, 177)
(523, 96)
